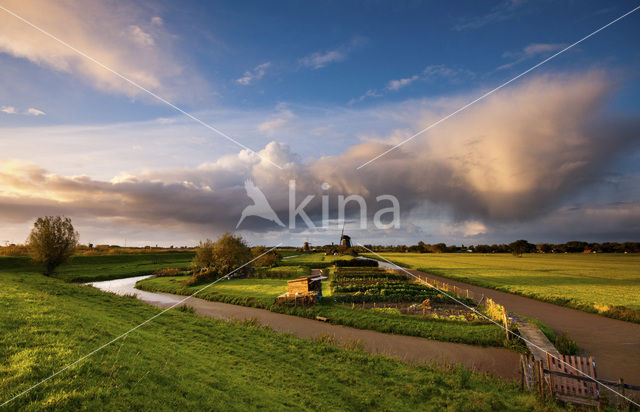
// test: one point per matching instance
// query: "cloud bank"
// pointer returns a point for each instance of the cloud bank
(518, 157)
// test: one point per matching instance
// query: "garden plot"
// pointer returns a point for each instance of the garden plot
(384, 290)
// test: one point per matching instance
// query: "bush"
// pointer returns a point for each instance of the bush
(169, 272)
(268, 259)
(14, 250)
(355, 263)
(203, 276)
(566, 345)
(227, 254)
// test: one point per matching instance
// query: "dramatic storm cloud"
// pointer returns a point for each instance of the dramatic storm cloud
(513, 158)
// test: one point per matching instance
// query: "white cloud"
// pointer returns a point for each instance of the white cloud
(502, 12)
(318, 60)
(371, 93)
(251, 76)
(141, 37)
(273, 125)
(400, 83)
(531, 51)
(429, 73)
(34, 112)
(8, 110)
(117, 34)
(321, 59)
(157, 20)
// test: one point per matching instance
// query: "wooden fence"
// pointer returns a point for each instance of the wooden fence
(446, 287)
(556, 378)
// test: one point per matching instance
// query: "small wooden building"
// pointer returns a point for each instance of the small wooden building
(304, 287)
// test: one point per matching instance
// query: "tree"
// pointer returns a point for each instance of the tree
(521, 246)
(215, 259)
(52, 242)
(204, 255)
(268, 259)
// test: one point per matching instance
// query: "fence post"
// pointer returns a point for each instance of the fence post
(623, 401)
(540, 377)
(505, 321)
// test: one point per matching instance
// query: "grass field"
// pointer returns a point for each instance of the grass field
(253, 292)
(180, 361)
(106, 267)
(602, 283)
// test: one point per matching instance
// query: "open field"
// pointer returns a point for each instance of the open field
(608, 284)
(182, 362)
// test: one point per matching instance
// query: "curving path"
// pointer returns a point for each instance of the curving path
(410, 349)
(613, 343)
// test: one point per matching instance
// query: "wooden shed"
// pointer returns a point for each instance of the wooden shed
(306, 286)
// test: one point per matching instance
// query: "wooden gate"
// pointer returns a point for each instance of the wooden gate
(569, 385)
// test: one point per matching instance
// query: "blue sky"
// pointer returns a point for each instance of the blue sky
(320, 79)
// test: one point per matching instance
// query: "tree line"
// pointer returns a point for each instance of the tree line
(518, 247)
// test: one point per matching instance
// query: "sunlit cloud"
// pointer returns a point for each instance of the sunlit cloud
(119, 35)
(251, 76)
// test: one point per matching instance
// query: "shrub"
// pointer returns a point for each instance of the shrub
(14, 250)
(268, 259)
(169, 272)
(228, 253)
(355, 263)
(566, 345)
(203, 276)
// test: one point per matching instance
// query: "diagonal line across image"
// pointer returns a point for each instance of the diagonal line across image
(471, 103)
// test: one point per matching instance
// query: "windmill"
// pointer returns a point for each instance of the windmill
(345, 240)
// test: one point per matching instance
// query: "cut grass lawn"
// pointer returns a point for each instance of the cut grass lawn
(261, 293)
(180, 361)
(608, 284)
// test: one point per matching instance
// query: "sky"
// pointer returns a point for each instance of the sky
(143, 121)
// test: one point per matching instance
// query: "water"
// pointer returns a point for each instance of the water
(127, 286)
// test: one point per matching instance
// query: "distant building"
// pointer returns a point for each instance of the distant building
(345, 241)
(305, 247)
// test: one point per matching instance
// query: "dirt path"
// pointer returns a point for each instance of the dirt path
(498, 361)
(614, 344)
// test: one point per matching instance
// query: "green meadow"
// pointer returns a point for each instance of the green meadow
(608, 284)
(180, 361)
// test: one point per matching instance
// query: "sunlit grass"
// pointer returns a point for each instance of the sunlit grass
(595, 282)
(180, 361)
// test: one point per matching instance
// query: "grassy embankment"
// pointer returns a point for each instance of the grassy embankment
(261, 293)
(106, 267)
(608, 284)
(184, 362)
